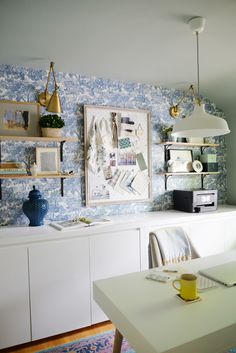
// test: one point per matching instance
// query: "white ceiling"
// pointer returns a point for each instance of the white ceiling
(132, 40)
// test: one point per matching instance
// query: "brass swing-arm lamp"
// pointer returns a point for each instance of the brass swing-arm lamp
(51, 102)
(175, 110)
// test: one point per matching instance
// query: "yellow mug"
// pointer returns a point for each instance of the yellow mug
(188, 286)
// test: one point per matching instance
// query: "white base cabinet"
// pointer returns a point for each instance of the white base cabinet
(112, 254)
(208, 237)
(59, 287)
(213, 236)
(230, 233)
(46, 276)
(14, 297)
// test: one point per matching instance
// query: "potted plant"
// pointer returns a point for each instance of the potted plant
(166, 133)
(51, 125)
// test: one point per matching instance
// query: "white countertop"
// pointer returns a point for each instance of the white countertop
(19, 235)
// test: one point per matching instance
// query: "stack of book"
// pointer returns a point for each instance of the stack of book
(12, 168)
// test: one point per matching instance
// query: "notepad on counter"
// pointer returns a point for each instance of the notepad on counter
(81, 222)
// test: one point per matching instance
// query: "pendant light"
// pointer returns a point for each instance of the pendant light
(51, 102)
(199, 123)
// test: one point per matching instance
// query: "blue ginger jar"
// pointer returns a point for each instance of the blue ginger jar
(35, 208)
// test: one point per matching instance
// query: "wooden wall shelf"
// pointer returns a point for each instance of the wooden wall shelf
(38, 138)
(46, 176)
(172, 143)
(41, 176)
(168, 144)
(202, 174)
(186, 173)
(60, 140)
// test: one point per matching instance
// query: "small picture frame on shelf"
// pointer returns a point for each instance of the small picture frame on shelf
(19, 118)
(180, 155)
(47, 160)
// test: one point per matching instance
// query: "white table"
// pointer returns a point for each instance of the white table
(150, 316)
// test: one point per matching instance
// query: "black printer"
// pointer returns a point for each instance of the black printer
(195, 200)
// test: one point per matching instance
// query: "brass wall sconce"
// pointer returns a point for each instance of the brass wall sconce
(175, 110)
(51, 102)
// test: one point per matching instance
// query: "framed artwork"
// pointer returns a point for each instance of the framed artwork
(180, 155)
(117, 155)
(19, 118)
(47, 160)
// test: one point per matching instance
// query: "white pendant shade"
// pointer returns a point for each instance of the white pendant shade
(200, 124)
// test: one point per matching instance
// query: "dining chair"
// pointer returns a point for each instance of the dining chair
(170, 245)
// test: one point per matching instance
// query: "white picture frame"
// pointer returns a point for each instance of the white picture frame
(183, 155)
(48, 161)
(117, 155)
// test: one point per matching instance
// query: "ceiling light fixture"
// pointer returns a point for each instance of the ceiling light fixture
(199, 123)
(51, 102)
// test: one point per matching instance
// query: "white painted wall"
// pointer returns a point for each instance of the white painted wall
(231, 158)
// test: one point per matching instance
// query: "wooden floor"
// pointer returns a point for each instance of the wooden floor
(60, 339)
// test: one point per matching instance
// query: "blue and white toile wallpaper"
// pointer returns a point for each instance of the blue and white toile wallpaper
(24, 84)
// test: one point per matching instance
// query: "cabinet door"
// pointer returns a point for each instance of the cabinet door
(59, 287)
(14, 297)
(230, 233)
(208, 236)
(113, 254)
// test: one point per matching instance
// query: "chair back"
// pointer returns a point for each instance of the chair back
(168, 246)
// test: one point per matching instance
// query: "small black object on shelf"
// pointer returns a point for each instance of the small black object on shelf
(181, 139)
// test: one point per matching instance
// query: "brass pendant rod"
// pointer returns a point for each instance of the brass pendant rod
(186, 93)
(49, 74)
(54, 77)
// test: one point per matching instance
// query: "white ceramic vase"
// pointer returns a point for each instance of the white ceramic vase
(34, 170)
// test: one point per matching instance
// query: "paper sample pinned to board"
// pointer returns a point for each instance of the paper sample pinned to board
(124, 143)
(125, 183)
(141, 161)
(126, 126)
(115, 178)
(140, 182)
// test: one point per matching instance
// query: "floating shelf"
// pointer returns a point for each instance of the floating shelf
(171, 143)
(203, 174)
(186, 173)
(39, 139)
(60, 140)
(41, 176)
(46, 176)
(168, 144)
